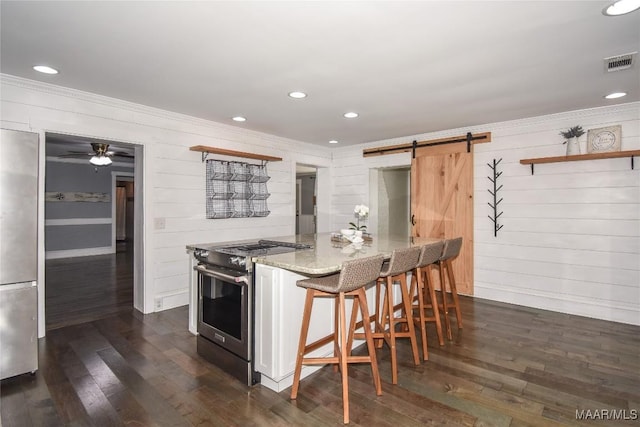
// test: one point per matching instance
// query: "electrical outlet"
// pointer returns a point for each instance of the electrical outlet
(158, 304)
(159, 223)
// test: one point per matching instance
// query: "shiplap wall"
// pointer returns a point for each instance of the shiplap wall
(174, 177)
(571, 235)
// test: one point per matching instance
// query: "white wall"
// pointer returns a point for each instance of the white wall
(173, 179)
(571, 235)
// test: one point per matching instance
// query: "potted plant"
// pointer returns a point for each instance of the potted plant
(571, 139)
(361, 212)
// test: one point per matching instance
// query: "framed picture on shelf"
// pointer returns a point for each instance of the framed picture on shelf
(604, 140)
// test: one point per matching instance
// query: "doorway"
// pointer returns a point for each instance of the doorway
(306, 199)
(393, 201)
(89, 244)
(123, 211)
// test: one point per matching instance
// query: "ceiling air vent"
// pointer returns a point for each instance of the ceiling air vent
(619, 62)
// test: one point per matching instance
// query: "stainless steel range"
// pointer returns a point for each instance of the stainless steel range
(226, 304)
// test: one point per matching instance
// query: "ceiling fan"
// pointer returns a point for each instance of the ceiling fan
(101, 155)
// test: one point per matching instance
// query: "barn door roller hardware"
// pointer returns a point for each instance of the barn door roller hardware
(469, 138)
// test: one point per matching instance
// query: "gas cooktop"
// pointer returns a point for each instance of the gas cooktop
(261, 247)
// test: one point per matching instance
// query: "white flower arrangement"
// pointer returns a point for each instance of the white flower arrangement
(361, 212)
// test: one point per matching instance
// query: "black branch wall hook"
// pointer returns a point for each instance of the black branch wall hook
(494, 193)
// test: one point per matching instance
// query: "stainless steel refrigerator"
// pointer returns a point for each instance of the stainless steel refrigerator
(18, 252)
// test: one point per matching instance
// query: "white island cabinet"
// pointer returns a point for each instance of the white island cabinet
(279, 302)
(278, 310)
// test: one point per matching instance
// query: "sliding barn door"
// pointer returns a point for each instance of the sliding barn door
(442, 202)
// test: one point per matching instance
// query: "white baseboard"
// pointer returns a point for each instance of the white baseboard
(170, 300)
(286, 381)
(72, 253)
(623, 313)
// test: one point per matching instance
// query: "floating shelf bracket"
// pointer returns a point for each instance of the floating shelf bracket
(213, 150)
(578, 157)
(494, 193)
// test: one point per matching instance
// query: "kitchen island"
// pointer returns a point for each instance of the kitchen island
(278, 302)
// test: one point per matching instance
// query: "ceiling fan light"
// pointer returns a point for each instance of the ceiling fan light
(100, 161)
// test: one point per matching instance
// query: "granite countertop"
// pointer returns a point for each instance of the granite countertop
(327, 256)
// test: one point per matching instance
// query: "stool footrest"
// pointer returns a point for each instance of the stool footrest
(319, 343)
(319, 360)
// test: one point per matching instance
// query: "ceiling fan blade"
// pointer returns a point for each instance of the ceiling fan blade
(77, 155)
(122, 154)
(99, 150)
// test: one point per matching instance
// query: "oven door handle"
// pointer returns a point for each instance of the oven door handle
(220, 275)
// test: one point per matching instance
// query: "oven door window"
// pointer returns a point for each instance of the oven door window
(224, 316)
(222, 306)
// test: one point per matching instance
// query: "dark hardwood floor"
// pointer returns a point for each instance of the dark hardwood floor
(82, 289)
(510, 366)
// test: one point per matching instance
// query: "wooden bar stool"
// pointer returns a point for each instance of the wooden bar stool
(423, 291)
(354, 275)
(450, 252)
(401, 262)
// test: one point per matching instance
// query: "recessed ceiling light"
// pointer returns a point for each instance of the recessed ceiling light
(45, 69)
(351, 115)
(616, 95)
(297, 95)
(333, 141)
(621, 7)
(239, 119)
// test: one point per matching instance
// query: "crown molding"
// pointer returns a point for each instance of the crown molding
(507, 124)
(108, 101)
(258, 138)
(573, 114)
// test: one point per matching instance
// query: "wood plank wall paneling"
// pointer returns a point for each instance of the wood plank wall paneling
(174, 176)
(571, 235)
(558, 191)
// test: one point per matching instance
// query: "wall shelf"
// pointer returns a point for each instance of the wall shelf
(213, 150)
(578, 157)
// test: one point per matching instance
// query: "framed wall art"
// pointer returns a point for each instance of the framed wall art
(604, 140)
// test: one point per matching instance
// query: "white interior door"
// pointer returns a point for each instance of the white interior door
(298, 204)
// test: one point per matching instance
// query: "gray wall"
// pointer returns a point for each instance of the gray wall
(78, 177)
(65, 237)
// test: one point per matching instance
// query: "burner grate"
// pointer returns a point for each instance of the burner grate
(252, 247)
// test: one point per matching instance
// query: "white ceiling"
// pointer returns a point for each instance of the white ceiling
(406, 67)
